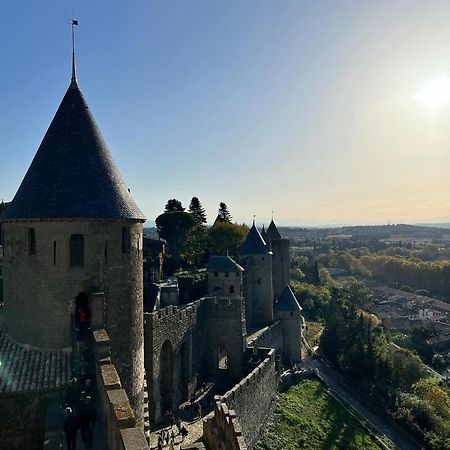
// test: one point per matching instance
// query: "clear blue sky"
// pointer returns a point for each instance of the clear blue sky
(307, 108)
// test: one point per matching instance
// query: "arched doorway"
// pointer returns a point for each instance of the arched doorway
(166, 377)
(221, 358)
(81, 316)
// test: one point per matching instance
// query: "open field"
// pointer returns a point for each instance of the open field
(307, 417)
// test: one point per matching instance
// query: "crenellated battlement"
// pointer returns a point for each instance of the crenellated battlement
(238, 415)
(120, 421)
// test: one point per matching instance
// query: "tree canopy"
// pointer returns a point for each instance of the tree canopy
(227, 237)
(173, 205)
(197, 211)
(174, 227)
(224, 215)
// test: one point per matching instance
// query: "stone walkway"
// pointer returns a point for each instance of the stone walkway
(194, 428)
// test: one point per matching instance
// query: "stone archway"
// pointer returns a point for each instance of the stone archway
(221, 358)
(166, 377)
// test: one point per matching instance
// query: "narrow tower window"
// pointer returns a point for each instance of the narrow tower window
(125, 240)
(231, 289)
(106, 252)
(76, 250)
(31, 238)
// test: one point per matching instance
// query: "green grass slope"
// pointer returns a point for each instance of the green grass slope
(307, 417)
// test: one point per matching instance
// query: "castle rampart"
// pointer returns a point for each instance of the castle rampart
(239, 414)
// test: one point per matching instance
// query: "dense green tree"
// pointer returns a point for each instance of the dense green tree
(224, 215)
(197, 210)
(174, 227)
(227, 237)
(196, 248)
(173, 205)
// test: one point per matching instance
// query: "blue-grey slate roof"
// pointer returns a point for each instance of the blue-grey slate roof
(223, 264)
(272, 232)
(254, 244)
(73, 174)
(287, 301)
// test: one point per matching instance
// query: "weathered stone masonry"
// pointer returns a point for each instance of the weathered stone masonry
(182, 342)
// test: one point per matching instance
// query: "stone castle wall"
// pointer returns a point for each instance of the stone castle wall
(258, 289)
(270, 336)
(280, 265)
(119, 421)
(238, 416)
(181, 343)
(225, 284)
(42, 285)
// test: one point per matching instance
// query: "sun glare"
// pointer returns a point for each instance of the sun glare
(435, 93)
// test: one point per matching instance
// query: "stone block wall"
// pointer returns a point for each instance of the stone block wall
(181, 342)
(175, 329)
(119, 420)
(221, 429)
(268, 337)
(22, 417)
(239, 415)
(43, 284)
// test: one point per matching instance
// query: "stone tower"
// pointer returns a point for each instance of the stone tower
(256, 259)
(71, 230)
(288, 311)
(224, 277)
(280, 265)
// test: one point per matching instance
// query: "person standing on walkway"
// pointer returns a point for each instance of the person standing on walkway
(71, 428)
(88, 415)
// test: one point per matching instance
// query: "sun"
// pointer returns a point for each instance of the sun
(435, 93)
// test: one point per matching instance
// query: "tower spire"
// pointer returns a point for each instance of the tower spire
(74, 75)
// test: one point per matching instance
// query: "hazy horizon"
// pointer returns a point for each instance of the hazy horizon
(323, 112)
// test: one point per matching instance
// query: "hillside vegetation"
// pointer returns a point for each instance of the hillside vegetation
(307, 417)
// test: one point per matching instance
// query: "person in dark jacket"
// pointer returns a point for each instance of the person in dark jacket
(71, 425)
(88, 415)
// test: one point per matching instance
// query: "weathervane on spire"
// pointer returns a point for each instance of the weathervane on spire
(254, 219)
(74, 23)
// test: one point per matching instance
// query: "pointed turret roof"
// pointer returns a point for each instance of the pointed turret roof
(264, 234)
(272, 231)
(254, 244)
(287, 301)
(73, 174)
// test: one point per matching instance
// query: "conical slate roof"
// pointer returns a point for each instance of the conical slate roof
(272, 231)
(72, 174)
(287, 301)
(254, 244)
(264, 234)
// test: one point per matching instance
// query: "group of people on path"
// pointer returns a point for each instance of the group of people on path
(166, 437)
(81, 413)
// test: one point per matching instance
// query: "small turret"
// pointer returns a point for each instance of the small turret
(280, 264)
(288, 311)
(256, 259)
(225, 277)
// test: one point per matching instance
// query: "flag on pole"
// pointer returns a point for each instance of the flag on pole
(74, 22)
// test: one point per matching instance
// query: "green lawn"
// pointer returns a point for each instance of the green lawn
(307, 417)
